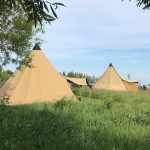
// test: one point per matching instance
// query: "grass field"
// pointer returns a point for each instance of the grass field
(107, 121)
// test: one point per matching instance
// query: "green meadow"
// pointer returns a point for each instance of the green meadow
(106, 121)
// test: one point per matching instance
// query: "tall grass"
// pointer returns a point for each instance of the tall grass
(107, 121)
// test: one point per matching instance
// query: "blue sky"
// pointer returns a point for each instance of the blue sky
(90, 34)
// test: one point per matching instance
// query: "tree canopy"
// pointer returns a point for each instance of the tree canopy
(144, 3)
(18, 18)
(4, 76)
(38, 11)
(16, 36)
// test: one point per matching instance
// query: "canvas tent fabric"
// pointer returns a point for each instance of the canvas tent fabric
(132, 86)
(40, 82)
(111, 80)
(78, 81)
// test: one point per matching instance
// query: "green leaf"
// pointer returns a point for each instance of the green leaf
(41, 5)
(53, 12)
(40, 20)
(45, 6)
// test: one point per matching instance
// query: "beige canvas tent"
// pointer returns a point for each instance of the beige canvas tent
(83, 83)
(111, 80)
(78, 81)
(132, 86)
(41, 82)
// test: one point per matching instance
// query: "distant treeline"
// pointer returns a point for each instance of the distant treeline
(91, 79)
(5, 75)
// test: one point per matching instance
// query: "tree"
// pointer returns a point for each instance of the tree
(17, 21)
(15, 36)
(64, 73)
(38, 11)
(129, 76)
(143, 3)
(4, 76)
(144, 88)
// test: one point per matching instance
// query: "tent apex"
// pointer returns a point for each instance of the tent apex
(110, 65)
(36, 47)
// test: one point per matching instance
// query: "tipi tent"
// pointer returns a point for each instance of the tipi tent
(40, 82)
(111, 80)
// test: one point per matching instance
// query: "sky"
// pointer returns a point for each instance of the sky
(90, 34)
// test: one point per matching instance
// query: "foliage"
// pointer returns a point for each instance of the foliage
(36, 11)
(4, 76)
(144, 3)
(86, 125)
(16, 36)
(129, 76)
